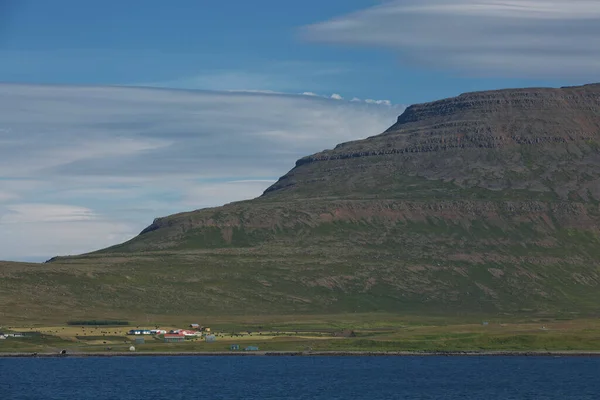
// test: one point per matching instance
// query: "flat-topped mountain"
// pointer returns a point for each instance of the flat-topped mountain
(535, 139)
(486, 202)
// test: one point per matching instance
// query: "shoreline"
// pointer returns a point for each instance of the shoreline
(310, 354)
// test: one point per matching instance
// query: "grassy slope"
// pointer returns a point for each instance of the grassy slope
(373, 333)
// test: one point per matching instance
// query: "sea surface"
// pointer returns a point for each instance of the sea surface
(250, 378)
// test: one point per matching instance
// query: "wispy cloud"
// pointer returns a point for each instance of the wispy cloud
(485, 37)
(86, 167)
(268, 77)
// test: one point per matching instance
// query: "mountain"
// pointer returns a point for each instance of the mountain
(488, 202)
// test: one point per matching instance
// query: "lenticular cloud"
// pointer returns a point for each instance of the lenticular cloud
(549, 38)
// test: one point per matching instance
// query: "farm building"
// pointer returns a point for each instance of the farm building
(140, 332)
(251, 348)
(234, 347)
(195, 326)
(170, 338)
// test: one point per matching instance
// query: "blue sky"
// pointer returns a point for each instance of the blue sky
(233, 93)
(235, 44)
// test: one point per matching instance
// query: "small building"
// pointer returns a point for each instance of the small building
(146, 332)
(139, 340)
(195, 326)
(190, 333)
(170, 338)
(206, 329)
(234, 347)
(210, 338)
(251, 348)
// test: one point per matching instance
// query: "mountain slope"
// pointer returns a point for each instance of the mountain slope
(487, 202)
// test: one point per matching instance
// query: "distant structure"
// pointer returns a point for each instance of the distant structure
(195, 326)
(132, 348)
(234, 347)
(251, 348)
(140, 332)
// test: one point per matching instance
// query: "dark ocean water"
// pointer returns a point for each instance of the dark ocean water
(252, 378)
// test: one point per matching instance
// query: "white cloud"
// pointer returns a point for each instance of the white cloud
(380, 102)
(7, 196)
(39, 213)
(85, 167)
(337, 96)
(38, 231)
(519, 38)
(42, 240)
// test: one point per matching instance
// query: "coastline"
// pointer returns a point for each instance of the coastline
(311, 354)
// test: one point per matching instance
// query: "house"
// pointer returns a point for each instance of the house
(195, 326)
(158, 331)
(134, 332)
(174, 338)
(234, 347)
(251, 348)
(189, 333)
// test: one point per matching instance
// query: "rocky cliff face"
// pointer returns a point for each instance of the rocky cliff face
(487, 200)
(535, 139)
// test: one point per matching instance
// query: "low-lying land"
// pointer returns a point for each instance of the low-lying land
(314, 335)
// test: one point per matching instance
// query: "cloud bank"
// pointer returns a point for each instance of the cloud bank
(82, 168)
(533, 38)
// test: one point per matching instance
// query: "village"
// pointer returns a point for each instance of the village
(196, 331)
(103, 336)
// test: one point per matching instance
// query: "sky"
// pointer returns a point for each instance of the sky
(113, 113)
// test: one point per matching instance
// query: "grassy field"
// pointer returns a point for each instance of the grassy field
(370, 334)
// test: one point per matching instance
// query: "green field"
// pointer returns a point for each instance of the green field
(370, 333)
